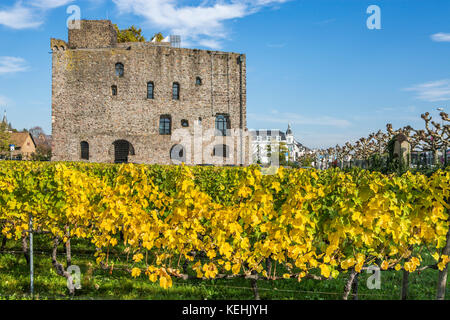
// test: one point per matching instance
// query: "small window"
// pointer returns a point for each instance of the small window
(222, 124)
(119, 69)
(114, 90)
(165, 124)
(84, 146)
(150, 88)
(258, 138)
(184, 123)
(198, 81)
(199, 121)
(221, 150)
(176, 91)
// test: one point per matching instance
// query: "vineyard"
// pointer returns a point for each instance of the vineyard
(201, 223)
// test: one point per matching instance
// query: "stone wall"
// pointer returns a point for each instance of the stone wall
(84, 109)
(93, 34)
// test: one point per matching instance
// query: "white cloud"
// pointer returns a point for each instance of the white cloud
(12, 65)
(432, 91)
(441, 37)
(49, 4)
(30, 14)
(203, 24)
(19, 17)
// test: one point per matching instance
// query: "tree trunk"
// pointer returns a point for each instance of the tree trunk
(444, 154)
(405, 282)
(59, 268)
(3, 243)
(269, 266)
(442, 280)
(255, 289)
(435, 157)
(349, 284)
(355, 287)
(25, 248)
(68, 253)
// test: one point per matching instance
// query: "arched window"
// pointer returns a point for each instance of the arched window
(222, 124)
(84, 146)
(150, 88)
(165, 122)
(198, 81)
(119, 69)
(221, 150)
(114, 90)
(184, 123)
(176, 91)
(177, 153)
(122, 149)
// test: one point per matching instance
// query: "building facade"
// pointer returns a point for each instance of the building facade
(24, 145)
(145, 102)
(264, 142)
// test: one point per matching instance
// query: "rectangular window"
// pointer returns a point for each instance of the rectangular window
(176, 91)
(150, 90)
(164, 125)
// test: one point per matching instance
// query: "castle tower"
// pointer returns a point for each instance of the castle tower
(129, 102)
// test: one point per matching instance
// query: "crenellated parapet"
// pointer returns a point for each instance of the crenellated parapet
(58, 45)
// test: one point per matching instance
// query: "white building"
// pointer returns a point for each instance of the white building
(263, 138)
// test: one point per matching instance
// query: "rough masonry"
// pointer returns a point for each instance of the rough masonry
(98, 115)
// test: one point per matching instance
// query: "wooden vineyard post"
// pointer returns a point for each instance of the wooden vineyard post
(442, 279)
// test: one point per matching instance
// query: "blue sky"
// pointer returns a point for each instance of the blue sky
(313, 63)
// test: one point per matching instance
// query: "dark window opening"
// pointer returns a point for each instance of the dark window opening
(122, 149)
(165, 124)
(176, 91)
(222, 124)
(198, 81)
(150, 88)
(114, 90)
(221, 150)
(84, 146)
(119, 69)
(184, 123)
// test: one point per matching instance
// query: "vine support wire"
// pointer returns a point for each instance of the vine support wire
(31, 256)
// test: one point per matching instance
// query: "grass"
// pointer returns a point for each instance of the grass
(117, 283)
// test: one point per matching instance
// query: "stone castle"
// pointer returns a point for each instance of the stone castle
(145, 102)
